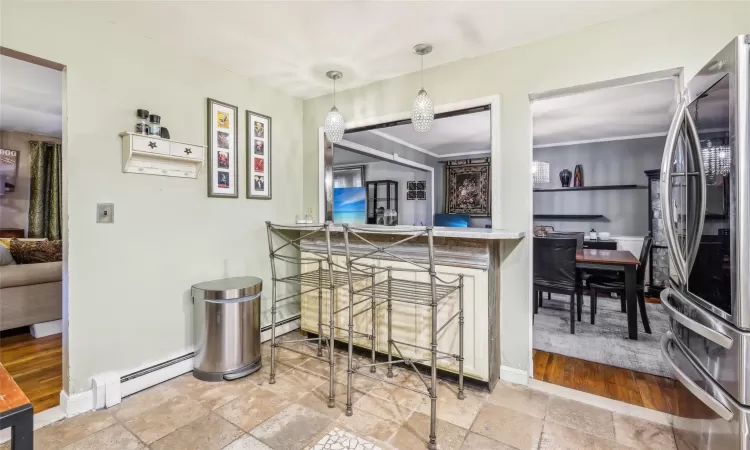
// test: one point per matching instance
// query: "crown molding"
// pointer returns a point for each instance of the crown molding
(609, 139)
(404, 143)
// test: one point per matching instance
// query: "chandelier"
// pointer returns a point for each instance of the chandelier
(422, 109)
(716, 160)
(540, 171)
(334, 124)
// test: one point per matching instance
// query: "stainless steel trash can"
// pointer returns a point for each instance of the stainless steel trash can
(227, 328)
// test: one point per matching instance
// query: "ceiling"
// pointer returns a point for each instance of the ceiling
(343, 157)
(448, 136)
(30, 98)
(610, 113)
(290, 45)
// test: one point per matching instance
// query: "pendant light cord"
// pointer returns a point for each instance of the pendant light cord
(421, 73)
(334, 92)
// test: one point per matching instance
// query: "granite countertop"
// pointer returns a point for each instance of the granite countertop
(464, 233)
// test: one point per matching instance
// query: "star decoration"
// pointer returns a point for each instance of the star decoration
(152, 144)
(188, 151)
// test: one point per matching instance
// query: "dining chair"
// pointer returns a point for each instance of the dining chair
(602, 282)
(579, 236)
(555, 272)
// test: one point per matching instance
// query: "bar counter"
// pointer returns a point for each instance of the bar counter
(474, 252)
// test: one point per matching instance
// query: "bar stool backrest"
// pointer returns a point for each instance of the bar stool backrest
(290, 250)
(362, 238)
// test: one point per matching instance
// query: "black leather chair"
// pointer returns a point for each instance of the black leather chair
(601, 282)
(555, 272)
(578, 236)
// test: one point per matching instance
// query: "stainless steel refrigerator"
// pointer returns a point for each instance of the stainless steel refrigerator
(705, 187)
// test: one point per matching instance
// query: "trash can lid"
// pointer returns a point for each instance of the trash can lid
(228, 288)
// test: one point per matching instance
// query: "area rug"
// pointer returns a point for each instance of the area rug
(606, 342)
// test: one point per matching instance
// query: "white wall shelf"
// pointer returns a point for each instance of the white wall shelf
(152, 155)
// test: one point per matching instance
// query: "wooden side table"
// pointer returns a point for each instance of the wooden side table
(16, 412)
(19, 233)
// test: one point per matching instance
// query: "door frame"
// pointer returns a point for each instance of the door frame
(676, 74)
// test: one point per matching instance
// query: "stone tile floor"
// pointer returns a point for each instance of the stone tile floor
(185, 413)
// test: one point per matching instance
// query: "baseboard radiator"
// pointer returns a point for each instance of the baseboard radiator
(189, 356)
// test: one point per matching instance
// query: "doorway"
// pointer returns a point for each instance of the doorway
(31, 226)
(595, 150)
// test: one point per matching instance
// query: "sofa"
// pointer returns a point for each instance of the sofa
(30, 294)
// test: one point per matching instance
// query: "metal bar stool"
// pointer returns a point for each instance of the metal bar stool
(324, 277)
(388, 290)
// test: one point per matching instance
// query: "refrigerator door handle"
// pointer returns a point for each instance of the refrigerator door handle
(694, 241)
(666, 189)
(724, 412)
(708, 333)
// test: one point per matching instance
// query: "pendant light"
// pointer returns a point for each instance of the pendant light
(422, 109)
(334, 124)
(540, 171)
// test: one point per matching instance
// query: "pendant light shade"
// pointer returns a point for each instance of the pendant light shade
(422, 108)
(540, 171)
(334, 124)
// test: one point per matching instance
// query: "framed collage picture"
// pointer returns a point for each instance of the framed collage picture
(222, 149)
(258, 150)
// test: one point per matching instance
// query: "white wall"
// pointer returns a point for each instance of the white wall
(410, 212)
(14, 206)
(604, 163)
(128, 284)
(674, 36)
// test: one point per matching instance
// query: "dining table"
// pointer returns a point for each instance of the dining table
(616, 261)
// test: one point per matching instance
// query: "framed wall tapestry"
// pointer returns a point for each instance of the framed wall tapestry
(258, 150)
(468, 187)
(222, 149)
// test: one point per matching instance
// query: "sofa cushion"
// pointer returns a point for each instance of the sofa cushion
(6, 259)
(27, 274)
(34, 252)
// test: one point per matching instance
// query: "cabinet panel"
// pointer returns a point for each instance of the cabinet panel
(412, 323)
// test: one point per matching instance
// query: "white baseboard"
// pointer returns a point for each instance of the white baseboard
(72, 405)
(280, 329)
(75, 404)
(130, 387)
(40, 330)
(602, 402)
(513, 375)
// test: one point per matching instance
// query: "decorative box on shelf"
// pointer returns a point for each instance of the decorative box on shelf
(152, 155)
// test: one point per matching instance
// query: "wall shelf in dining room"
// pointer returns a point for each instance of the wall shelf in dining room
(610, 187)
(569, 216)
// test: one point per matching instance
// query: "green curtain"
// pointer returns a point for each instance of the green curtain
(45, 203)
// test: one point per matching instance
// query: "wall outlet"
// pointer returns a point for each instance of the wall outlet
(105, 213)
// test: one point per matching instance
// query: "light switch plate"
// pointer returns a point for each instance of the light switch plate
(105, 213)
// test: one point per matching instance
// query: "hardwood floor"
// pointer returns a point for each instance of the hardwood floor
(36, 366)
(635, 388)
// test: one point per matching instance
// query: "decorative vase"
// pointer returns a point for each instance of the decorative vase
(578, 176)
(565, 176)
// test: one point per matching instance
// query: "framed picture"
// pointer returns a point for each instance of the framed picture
(258, 156)
(421, 185)
(421, 195)
(411, 195)
(468, 187)
(411, 185)
(222, 150)
(8, 170)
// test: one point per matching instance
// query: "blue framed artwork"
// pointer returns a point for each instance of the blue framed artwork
(350, 205)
